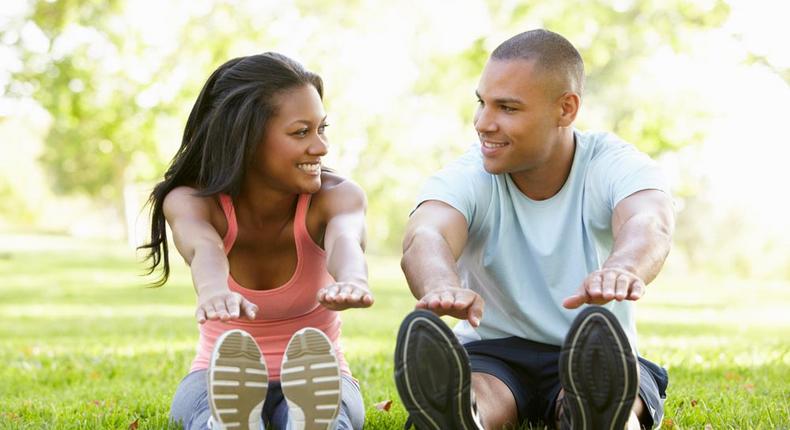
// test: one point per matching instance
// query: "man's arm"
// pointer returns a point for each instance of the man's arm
(435, 237)
(642, 226)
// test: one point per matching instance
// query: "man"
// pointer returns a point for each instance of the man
(514, 239)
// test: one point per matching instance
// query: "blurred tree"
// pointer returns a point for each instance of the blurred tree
(77, 77)
(616, 40)
(118, 94)
(763, 60)
(110, 88)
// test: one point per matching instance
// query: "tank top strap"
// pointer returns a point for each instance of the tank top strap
(230, 215)
(300, 218)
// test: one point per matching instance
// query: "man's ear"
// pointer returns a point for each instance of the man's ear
(569, 104)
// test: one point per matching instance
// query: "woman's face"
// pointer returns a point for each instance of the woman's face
(289, 158)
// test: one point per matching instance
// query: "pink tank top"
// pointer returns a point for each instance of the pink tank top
(282, 310)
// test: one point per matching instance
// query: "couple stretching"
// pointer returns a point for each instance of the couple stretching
(514, 238)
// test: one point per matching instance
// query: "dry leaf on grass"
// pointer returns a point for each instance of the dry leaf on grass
(384, 406)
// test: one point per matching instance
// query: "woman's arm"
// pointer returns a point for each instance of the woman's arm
(202, 249)
(344, 242)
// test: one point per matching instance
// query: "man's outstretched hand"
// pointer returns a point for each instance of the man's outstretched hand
(605, 285)
(459, 303)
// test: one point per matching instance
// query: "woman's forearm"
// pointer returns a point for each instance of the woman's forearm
(210, 269)
(346, 261)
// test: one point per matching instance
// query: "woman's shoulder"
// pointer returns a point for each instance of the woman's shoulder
(338, 193)
(186, 197)
(185, 201)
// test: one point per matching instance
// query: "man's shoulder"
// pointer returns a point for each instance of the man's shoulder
(608, 152)
(470, 160)
(463, 184)
(617, 168)
(601, 143)
(466, 168)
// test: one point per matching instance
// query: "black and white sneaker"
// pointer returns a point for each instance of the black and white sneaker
(433, 376)
(237, 381)
(598, 371)
(311, 381)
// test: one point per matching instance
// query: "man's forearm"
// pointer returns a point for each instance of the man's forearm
(642, 246)
(428, 263)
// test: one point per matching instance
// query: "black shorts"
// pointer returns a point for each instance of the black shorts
(531, 371)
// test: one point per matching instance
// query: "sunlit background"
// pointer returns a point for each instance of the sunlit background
(94, 95)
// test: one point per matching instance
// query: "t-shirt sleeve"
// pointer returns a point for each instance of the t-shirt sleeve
(620, 170)
(461, 184)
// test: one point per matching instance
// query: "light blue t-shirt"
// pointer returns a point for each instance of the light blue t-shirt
(523, 256)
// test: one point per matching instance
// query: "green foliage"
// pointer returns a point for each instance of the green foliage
(108, 89)
(97, 125)
(12, 204)
(119, 97)
(615, 44)
(86, 346)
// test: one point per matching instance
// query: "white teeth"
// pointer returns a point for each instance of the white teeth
(488, 144)
(310, 167)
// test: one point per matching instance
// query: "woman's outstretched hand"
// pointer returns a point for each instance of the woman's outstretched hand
(344, 295)
(224, 306)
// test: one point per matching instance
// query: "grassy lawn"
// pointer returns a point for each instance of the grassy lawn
(84, 345)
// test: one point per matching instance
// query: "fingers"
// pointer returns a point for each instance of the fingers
(225, 306)
(460, 303)
(439, 300)
(431, 301)
(250, 309)
(593, 286)
(328, 294)
(603, 286)
(637, 290)
(608, 280)
(200, 315)
(475, 313)
(216, 310)
(446, 300)
(342, 296)
(574, 301)
(621, 287)
(232, 305)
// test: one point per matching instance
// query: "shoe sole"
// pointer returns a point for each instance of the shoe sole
(238, 381)
(432, 374)
(310, 379)
(598, 372)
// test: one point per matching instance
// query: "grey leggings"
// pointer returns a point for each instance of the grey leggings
(190, 404)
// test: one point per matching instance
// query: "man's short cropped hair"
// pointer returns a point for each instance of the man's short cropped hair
(550, 51)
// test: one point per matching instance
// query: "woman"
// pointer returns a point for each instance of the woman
(275, 245)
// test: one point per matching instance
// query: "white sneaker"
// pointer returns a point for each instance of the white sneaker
(237, 382)
(310, 379)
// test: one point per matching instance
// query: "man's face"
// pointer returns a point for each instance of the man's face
(517, 119)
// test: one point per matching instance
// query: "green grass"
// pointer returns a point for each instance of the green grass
(84, 345)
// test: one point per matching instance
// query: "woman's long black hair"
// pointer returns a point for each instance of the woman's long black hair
(223, 130)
